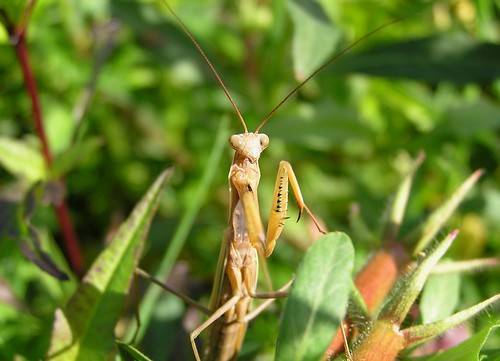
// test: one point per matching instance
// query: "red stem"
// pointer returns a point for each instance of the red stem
(71, 244)
(29, 80)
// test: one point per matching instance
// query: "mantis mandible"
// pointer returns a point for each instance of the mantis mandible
(244, 240)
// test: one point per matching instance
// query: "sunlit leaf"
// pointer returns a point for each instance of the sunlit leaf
(318, 299)
(436, 304)
(466, 351)
(22, 160)
(83, 330)
(314, 38)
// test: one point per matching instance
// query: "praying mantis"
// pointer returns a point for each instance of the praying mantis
(245, 240)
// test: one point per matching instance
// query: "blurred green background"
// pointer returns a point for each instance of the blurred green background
(125, 94)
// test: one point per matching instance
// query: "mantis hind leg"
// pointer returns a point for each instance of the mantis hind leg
(214, 317)
(270, 297)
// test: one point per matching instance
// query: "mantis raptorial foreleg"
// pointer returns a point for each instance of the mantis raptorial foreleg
(277, 216)
(248, 195)
(245, 240)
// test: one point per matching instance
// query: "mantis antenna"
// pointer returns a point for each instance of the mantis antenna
(314, 73)
(295, 90)
(217, 77)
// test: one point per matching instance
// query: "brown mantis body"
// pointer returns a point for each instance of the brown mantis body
(244, 240)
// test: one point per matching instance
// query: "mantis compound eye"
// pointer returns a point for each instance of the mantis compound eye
(236, 142)
(264, 141)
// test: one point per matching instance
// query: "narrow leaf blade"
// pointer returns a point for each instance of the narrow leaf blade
(398, 206)
(465, 351)
(134, 353)
(416, 335)
(426, 232)
(454, 58)
(84, 329)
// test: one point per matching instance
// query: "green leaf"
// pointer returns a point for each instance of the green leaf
(23, 160)
(318, 299)
(465, 351)
(83, 330)
(357, 310)
(132, 351)
(314, 37)
(455, 58)
(426, 232)
(410, 287)
(440, 297)
(470, 265)
(458, 121)
(491, 355)
(75, 155)
(59, 127)
(398, 206)
(415, 335)
(315, 127)
(13, 9)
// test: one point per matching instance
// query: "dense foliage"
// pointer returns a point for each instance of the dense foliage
(124, 94)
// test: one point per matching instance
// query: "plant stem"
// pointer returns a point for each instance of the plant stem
(71, 244)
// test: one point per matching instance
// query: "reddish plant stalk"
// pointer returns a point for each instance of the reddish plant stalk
(374, 282)
(383, 344)
(71, 244)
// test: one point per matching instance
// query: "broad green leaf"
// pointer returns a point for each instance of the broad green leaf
(322, 127)
(318, 299)
(83, 330)
(458, 122)
(455, 58)
(490, 355)
(465, 351)
(440, 297)
(314, 37)
(22, 160)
